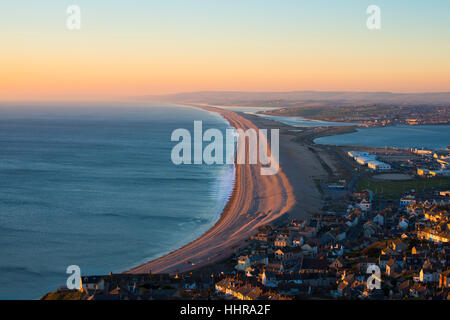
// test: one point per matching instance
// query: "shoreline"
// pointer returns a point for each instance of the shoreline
(241, 217)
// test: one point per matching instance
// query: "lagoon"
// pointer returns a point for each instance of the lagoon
(435, 137)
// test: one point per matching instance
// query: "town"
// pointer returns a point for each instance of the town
(328, 255)
(369, 115)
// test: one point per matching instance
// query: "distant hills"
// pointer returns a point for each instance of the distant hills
(303, 98)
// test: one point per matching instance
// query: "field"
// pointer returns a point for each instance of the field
(393, 189)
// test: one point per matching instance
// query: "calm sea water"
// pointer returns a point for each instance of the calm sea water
(303, 122)
(95, 187)
(432, 137)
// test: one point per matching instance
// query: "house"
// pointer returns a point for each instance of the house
(378, 166)
(340, 234)
(298, 224)
(261, 236)
(282, 240)
(286, 254)
(444, 279)
(428, 274)
(344, 284)
(343, 289)
(228, 285)
(352, 220)
(444, 193)
(238, 289)
(259, 258)
(422, 151)
(314, 279)
(92, 283)
(418, 290)
(365, 205)
(413, 261)
(404, 287)
(336, 264)
(379, 219)
(407, 200)
(131, 282)
(392, 268)
(337, 250)
(424, 172)
(327, 238)
(383, 260)
(414, 209)
(312, 265)
(245, 262)
(269, 279)
(433, 235)
(309, 249)
(395, 247)
(308, 231)
(248, 292)
(298, 241)
(274, 267)
(403, 223)
(435, 216)
(370, 228)
(329, 220)
(414, 251)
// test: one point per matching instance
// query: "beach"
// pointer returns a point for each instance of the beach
(256, 201)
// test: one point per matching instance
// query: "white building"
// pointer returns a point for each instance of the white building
(363, 160)
(406, 201)
(354, 154)
(422, 151)
(379, 166)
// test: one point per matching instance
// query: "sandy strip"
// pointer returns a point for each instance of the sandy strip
(256, 200)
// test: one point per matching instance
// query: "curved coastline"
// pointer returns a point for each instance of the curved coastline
(241, 217)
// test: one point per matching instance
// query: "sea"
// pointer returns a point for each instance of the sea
(436, 137)
(93, 185)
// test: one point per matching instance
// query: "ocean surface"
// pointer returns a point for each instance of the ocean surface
(428, 136)
(93, 185)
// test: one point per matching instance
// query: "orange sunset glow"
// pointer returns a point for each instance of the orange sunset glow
(111, 57)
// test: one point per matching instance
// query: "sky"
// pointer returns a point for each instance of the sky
(131, 47)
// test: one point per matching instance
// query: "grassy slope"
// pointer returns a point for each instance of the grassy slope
(64, 295)
(393, 189)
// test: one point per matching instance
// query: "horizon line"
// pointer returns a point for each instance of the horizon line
(88, 98)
